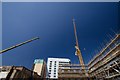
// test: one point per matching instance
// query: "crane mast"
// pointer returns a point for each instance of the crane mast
(20, 44)
(78, 52)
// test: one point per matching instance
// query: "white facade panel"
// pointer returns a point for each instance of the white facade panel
(3, 75)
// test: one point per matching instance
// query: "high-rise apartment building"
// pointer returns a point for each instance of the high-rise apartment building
(40, 67)
(53, 65)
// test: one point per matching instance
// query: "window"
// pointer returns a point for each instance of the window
(49, 70)
(49, 76)
(50, 62)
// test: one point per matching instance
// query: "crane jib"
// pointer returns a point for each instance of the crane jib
(20, 44)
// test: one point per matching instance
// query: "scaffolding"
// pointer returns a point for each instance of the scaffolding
(106, 65)
(72, 71)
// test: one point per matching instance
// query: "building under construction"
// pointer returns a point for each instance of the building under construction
(104, 66)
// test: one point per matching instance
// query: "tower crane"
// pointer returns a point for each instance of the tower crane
(78, 52)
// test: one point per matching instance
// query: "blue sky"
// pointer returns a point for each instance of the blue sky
(52, 22)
